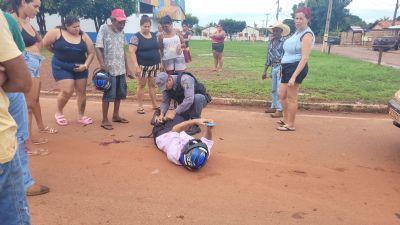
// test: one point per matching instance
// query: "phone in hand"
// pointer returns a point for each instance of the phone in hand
(209, 124)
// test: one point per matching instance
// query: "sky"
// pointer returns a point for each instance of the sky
(254, 11)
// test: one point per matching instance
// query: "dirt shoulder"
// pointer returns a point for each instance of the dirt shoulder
(335, 169)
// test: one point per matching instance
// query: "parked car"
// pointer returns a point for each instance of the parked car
(333, 40)
(394, 109)
(391, 43)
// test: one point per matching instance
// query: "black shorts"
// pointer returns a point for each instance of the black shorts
(288, 70)
(218, 47)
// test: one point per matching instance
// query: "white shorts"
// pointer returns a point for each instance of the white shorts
(175, 64)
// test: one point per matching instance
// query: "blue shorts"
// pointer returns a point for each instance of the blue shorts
(65, 71)
(33, 62)
(117, 90)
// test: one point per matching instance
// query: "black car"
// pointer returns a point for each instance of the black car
(388, 43)
(394, 109)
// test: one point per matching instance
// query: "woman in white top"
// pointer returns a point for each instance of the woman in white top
(171, 44)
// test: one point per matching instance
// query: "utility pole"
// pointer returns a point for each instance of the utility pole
(328, 21)
(305, 3)
(277, 10)
(266, 21)
(395, 13)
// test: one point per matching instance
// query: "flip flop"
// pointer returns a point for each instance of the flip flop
(285, 128)
(37, 152)
(42, 190)
(120, 120)
(40, 141)
(60, 119)
(140, 111)
(85, 120)
(107, 126)
(48, 130)
(281, 123)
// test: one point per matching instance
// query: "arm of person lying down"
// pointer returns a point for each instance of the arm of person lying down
(185, 125)
(17, 78)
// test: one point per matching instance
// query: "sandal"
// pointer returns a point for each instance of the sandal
(281, 123)
(49, 130)
(120, 120)
(37, 189)
(140, 110)
(285, 128)
(85, 120)
(107, 126)
(40, 141)
(37, 152)
(60, 119)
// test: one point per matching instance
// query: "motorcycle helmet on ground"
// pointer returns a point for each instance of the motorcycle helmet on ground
(194, 155)
(101, 80)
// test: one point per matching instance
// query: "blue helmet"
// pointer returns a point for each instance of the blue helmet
(101, 80)
(194, 155)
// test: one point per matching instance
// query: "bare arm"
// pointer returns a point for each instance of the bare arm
(306, 45)
(132, 58)
(200, 122)
(18, 77)
(100, 57)
(90, 50)
(49, 39)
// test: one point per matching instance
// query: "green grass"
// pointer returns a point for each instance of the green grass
(330, 79)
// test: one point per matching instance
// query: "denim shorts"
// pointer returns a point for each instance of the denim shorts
(117, 90)
(65, 71)
(33, 62)
(175, 64)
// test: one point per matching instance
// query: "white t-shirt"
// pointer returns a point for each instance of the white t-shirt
(172, 144)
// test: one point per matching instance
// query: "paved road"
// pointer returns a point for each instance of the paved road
(390, 58)
(335, 169)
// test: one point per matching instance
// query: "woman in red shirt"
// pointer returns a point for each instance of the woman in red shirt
(217, 39)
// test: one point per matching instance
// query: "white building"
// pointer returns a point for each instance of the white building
(249, 34)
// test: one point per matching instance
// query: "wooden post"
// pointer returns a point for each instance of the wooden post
(380, 55)
(329, 49)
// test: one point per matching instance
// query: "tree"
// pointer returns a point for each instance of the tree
(232, 26)
(319, 10)
(100, 10)
(198, 29)
(191, 20)
(47, 7)
(353, 20)
(290, 23)
(5, 5)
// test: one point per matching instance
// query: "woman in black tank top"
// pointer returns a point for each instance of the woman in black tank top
(144, 54)
(73, 53)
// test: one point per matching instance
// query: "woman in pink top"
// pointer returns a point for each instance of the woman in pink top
(217, 39)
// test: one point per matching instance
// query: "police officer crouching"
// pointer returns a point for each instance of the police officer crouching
(190, 95)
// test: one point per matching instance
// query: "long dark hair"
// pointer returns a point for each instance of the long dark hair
(68, 21)
(15, 4)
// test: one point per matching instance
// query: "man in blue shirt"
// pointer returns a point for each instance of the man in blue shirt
(274, 56)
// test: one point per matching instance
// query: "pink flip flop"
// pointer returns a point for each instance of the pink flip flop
(85, 120)
(60, 119)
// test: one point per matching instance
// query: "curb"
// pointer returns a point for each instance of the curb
(330, 107)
